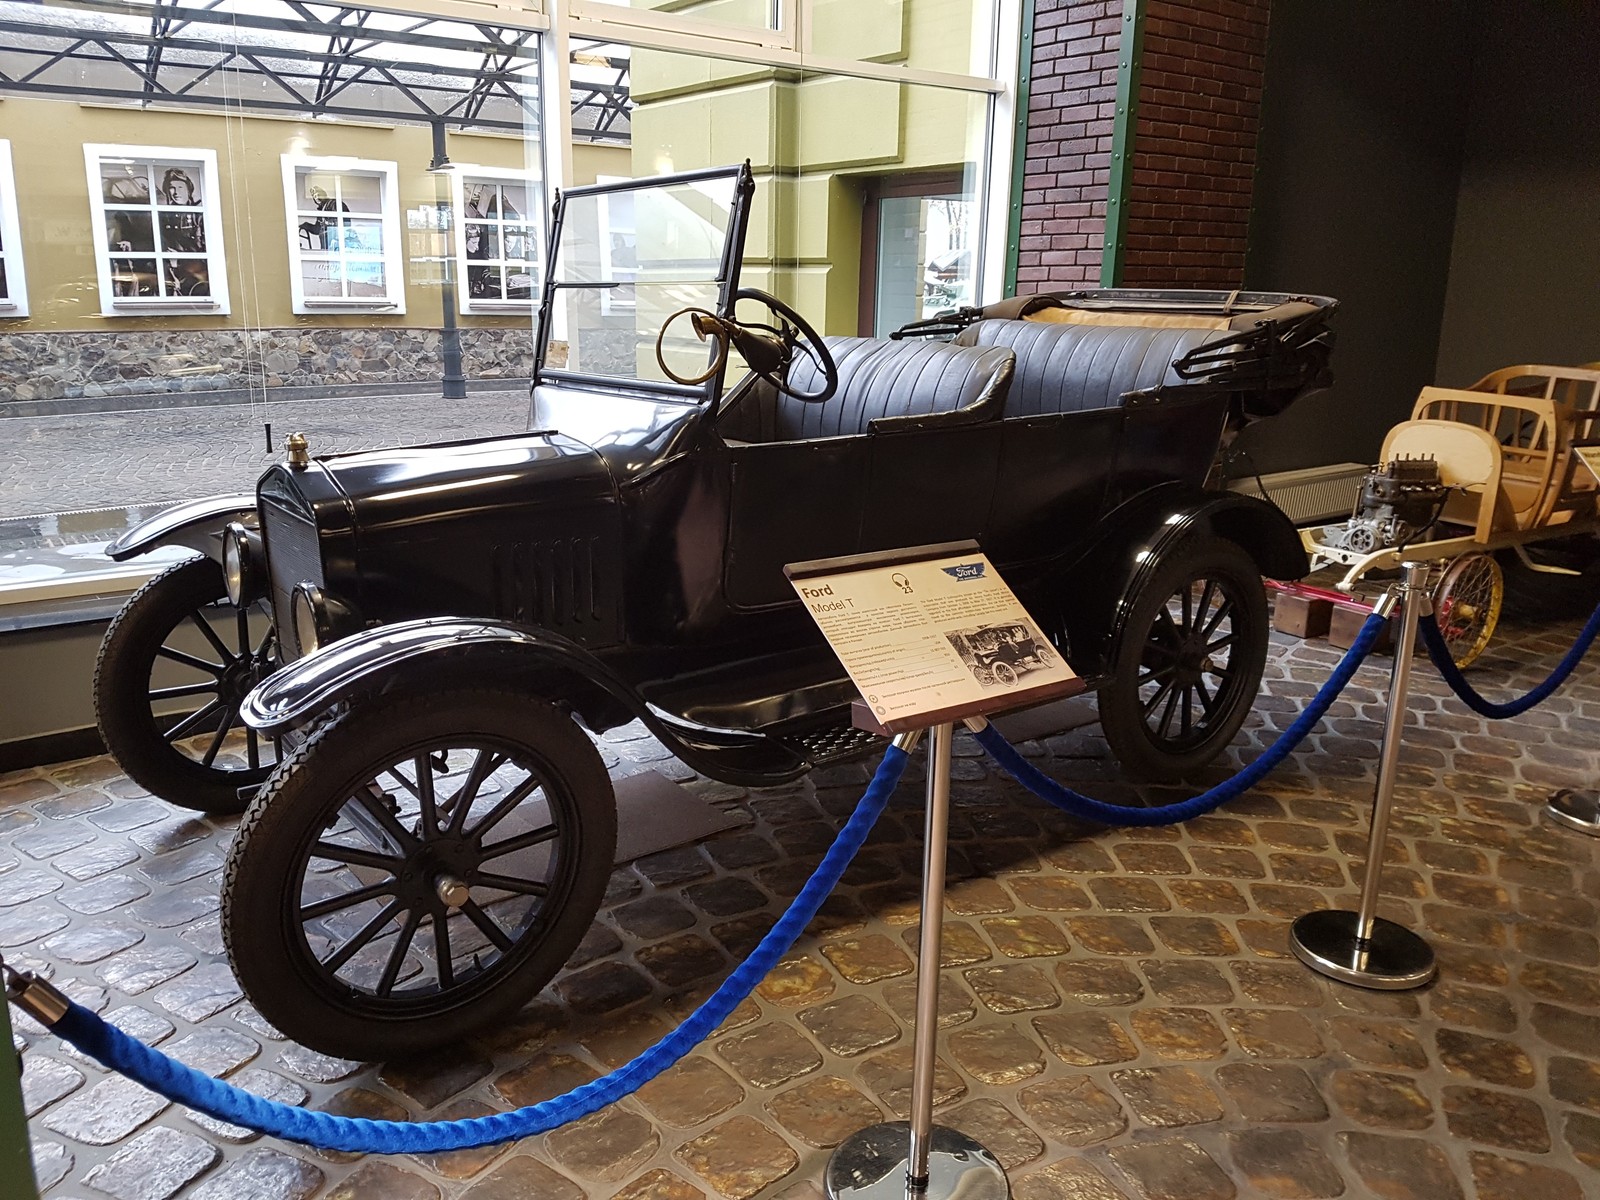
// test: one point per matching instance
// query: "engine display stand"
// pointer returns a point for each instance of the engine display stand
(916, 1159)
(1577, 810)
(1361, 947)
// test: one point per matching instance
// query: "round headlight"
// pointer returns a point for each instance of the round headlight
(235, 562)
(305, 609)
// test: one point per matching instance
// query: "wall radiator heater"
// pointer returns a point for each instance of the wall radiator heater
(1310, 496)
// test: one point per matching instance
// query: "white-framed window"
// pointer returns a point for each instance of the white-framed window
(13, 282)
(344, 235)
(500, 246)
(157, 225)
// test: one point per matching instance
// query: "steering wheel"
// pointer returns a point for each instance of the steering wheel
(769, 351)
(810, 342)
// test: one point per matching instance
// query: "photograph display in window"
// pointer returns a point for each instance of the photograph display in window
(501, 240)
(155, 222)
(339, 216)
(11, 289)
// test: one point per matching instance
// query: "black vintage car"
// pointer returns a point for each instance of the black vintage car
(421, 631)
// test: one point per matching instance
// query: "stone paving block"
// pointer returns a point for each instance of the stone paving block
(690, 1093)
(1285, 1163)
(739, 1158)
(999, 1055)
(867, 959)
(381, 1180)
(1069, 1179)
(1582, 1133)
(956, 1003)
(1168, 1096)
(252, 1079)
(1073, 1110)
(1177, 1170)
(823, 1112)
(153, 1166)
(46, 1080)
(1177, 1034)
(429, 1080)
(1272, 1092)
(1401, 1168)
(769, 1055)
(1185, 983)
(960, 945)
(105, 1113)
(1266, 1033)
(1010, 989)
(887, 1075)
(52, 1162)
(1086, 1039)
(851, 1025)
(261, 1173)
(606, 1147)
(1496, 1119)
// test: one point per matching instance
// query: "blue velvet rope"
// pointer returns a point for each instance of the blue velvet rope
(1433, 638)
(1079, 805)
(160, 1074)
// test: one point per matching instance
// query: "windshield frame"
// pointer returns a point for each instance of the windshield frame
(727, 281)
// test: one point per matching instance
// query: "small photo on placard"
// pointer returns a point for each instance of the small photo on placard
(931, 640)
(1591, 458)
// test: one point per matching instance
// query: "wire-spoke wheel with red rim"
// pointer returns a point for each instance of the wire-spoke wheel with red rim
(418, 870)
(1188, 664)
(1467, 604)
(175, 665)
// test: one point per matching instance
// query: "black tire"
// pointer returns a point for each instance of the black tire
(306, 885)
(167, 755)
(1172, 705)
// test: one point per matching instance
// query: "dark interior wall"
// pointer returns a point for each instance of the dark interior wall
(1524, 281)
(1362, 124)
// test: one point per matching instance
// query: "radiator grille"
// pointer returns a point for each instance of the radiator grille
(293, 556)
(552, 584)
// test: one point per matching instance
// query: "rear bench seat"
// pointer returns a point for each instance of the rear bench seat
(883, 386)
(1078, 367)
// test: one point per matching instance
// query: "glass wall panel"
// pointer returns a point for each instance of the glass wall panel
(926, 35)
(735, 14)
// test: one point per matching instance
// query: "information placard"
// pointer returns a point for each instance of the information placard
(931, 634)
(1591, 458)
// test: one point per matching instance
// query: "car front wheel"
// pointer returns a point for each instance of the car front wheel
(1189, 662)
(173, 669)
(418, 870)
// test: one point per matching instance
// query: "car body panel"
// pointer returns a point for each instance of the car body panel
(194, 525)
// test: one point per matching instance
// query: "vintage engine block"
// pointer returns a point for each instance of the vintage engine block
(1398, 499)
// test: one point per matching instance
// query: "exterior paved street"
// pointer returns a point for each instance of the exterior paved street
(1123, 1020)
(143, 456)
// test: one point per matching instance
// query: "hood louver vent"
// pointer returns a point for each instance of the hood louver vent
(551, 584)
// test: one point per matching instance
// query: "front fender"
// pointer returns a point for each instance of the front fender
(438, 652)
(193, 524)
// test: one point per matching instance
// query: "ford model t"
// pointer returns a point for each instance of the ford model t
(425, 633)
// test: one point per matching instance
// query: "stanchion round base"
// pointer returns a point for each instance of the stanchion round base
(870, 1164)
(1391, 960)
(1576, 810)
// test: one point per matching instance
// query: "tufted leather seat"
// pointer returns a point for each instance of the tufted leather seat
(1073, 368)
(883, 386)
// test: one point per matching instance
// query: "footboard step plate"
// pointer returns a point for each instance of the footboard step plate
(1058, 716)
(655, 814)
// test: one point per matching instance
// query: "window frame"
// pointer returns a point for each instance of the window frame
(14, 301)
(460, 174)
(387, 172)
(217, 302)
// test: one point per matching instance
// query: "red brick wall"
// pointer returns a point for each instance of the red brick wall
(1072, 100)
(1194, 153)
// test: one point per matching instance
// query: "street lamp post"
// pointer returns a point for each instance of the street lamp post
(454, 382)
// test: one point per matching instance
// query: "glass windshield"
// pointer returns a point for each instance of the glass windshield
(627, 258)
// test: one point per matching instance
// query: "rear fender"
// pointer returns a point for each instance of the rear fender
(1098, 590)
(441, 652)
(194, 525)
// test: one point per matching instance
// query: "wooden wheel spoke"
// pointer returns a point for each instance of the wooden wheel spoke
(223, 726)
(333, 904)
(460, 804)
(486, 925)
(184, 689)
(1161, 694)
(442, 954)
(387, 821)
(1208, 700)
(360, 938)
(190, 660)
(523, 841)
(1223, 611)
(252, 742)
(509, 883)
(429, 816)
(504, 808)
(397, 956)
(1167, 713)
(1187, 722)
(355, 856)
(210, 634)
(194, 719)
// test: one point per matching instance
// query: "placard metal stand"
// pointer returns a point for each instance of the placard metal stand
(1361, 947)
(917, 1159)
(1579, 810)
(16, 1154)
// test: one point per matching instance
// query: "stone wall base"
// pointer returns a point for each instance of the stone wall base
(66, 366)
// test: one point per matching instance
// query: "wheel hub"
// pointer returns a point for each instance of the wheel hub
(239, 679)
(451, 891)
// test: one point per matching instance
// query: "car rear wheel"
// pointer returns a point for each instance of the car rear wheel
(418, 870)
(179, 645)
(1189, 662)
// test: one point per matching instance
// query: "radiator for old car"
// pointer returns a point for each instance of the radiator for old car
(1310, 496)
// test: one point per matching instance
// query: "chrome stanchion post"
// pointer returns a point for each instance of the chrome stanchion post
(1361, 947)
(1575, 809)
(916, 1159)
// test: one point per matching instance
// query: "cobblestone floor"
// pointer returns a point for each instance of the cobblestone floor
(1122, 1018)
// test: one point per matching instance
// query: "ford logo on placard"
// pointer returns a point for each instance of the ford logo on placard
(964, 571)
